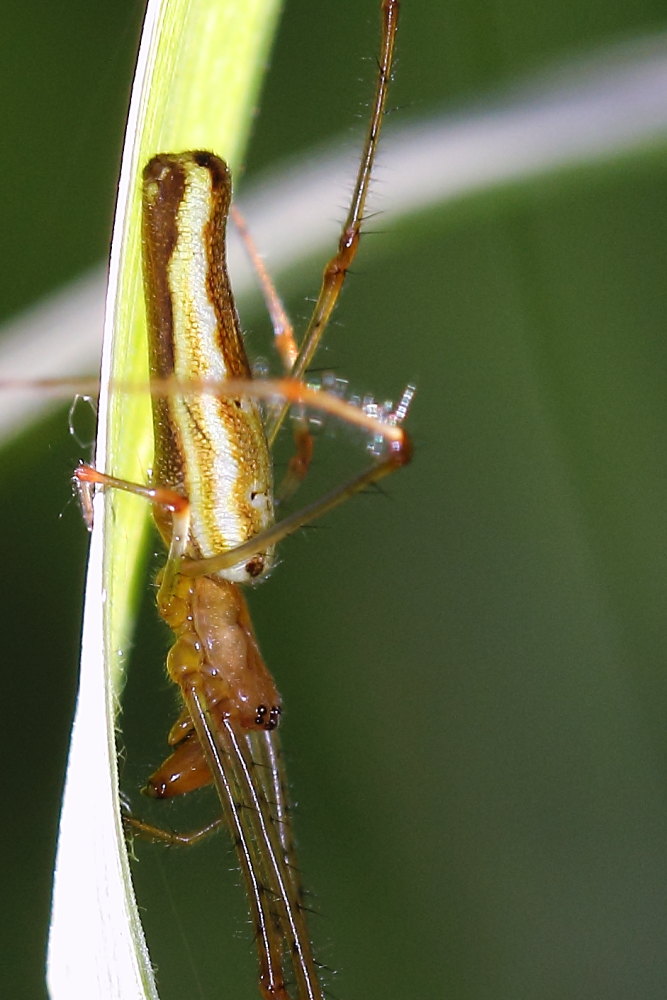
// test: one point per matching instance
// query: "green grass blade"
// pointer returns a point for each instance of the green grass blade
(196, 83)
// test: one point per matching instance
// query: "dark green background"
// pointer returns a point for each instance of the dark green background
(474, 665)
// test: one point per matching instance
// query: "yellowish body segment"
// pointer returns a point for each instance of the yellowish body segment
(211, 450)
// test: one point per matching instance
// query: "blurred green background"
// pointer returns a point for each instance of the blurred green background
(473, 666)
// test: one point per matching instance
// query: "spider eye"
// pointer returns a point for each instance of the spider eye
(259, 715)
(273, 716)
